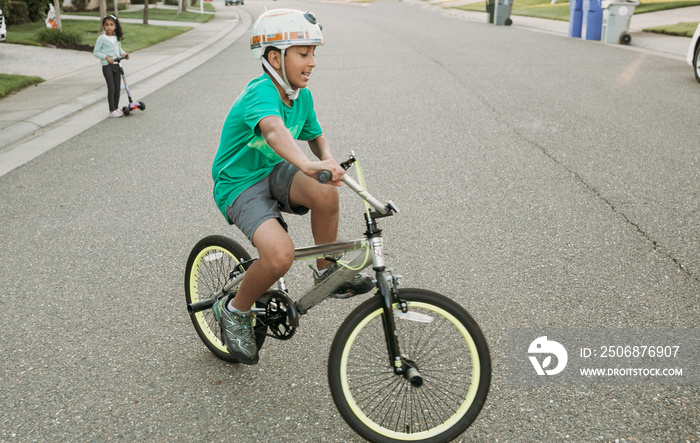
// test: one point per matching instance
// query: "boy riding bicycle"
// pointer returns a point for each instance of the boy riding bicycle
(259, 171)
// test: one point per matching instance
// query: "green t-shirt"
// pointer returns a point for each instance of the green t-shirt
(243, 157)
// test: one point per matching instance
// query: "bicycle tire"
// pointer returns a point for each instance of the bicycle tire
(208, 268)
(450, 352)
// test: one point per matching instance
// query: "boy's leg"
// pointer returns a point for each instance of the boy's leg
(276, 255)
(276, 252)
(323, 202)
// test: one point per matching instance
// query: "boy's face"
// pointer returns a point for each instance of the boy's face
(299, 61)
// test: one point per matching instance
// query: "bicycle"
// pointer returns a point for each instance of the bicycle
(428, 389)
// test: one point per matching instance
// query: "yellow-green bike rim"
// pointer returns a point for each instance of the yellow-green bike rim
(461, 411)
(194, 296)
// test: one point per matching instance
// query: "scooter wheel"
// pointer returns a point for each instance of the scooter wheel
(142, 106)
(126, 110)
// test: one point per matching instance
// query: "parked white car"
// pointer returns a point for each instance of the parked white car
(3, 28)
(693, 57)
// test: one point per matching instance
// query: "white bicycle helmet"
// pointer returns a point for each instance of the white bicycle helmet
(282, 28)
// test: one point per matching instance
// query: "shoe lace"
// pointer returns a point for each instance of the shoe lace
(246, 323)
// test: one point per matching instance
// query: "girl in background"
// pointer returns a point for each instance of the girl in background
(107, 48)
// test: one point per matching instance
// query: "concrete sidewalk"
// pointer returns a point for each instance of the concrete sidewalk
(72, 98)
(658, 44)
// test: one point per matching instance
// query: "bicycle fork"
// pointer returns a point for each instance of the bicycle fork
(388, 292)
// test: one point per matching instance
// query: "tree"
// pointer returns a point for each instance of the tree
(57, 7)
(145, 12)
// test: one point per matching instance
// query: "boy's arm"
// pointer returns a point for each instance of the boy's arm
(281, 141)
(320, 147)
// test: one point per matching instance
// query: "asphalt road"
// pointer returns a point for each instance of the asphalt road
(542, 182)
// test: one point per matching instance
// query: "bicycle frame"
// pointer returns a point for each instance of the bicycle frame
(386, 283)
(320, 292)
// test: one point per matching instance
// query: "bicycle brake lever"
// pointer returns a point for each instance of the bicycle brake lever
(346, 164)
(326, 175)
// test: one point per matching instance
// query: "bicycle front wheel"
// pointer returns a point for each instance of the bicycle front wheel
(209, 267)
(441, 340)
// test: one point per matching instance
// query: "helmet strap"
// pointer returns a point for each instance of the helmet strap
(291, 93)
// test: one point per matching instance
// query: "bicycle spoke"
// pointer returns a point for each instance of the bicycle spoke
(209, 266)
(387, 404)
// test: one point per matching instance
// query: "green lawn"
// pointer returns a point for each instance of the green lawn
(560, 10)
(136, 36)
(680, 29)
(160, 13)
(10, 83)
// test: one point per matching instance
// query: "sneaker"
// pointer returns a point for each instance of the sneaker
(359, 284)
(116, 113)
(237, 333)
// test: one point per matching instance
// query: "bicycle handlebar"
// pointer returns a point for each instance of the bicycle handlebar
(325, 176)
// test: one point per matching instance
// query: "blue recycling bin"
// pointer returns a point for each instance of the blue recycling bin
(592, 23)
(575, 18)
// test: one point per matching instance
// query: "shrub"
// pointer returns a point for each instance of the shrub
(59, 38)
(120, 6)
(16, 13)
(37, 9)
(79, 5)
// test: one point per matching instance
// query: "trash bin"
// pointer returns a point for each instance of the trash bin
(616, 21)
(575, 18)
(490, 8)
(592, 23)
(501, 15)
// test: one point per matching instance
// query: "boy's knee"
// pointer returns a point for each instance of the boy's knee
(279, 260)
(327, 199)
(280, 265)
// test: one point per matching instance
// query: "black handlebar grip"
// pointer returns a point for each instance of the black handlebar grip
(324, 176)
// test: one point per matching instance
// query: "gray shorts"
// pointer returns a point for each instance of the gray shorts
(266, 199)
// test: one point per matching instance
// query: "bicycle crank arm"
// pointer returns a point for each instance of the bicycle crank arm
(208, 303)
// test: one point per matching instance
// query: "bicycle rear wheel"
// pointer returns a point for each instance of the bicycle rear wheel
(441, 340)
(208, 269)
